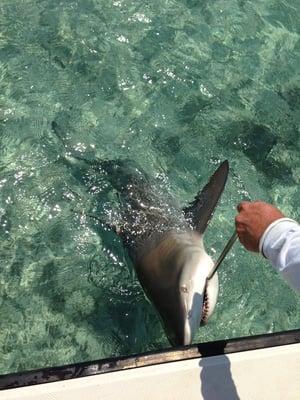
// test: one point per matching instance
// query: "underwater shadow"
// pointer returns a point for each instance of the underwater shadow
(215, 376)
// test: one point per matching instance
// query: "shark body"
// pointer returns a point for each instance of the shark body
(165, 245)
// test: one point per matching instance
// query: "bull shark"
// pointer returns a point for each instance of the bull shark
(165, 244)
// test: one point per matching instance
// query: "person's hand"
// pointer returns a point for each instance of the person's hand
(252, 220)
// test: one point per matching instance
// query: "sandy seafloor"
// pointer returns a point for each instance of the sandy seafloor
(177, 86)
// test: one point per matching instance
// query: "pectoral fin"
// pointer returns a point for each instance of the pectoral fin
(200, 211)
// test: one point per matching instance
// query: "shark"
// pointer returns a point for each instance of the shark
(165, 243)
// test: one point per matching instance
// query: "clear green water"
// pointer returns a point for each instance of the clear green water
(177, 86)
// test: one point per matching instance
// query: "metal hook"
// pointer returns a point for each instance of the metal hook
(228, 246)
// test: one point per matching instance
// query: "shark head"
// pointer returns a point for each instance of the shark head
(197, 295)
(174, 276)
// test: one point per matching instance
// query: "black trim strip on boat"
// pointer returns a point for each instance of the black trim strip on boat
(47, 375)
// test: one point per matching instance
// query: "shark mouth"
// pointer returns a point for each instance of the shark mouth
(209, 299)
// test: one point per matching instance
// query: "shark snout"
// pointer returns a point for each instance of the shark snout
(192, 318)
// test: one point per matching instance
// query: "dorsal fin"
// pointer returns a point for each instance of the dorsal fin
(200, 211)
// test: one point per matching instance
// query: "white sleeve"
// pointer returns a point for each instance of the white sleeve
(280, 243)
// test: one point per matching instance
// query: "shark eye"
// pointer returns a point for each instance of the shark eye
(184, 289)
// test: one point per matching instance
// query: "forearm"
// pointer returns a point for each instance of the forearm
(281, 245)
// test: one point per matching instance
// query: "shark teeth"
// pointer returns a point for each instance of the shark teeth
(209, 299)
(205, 309)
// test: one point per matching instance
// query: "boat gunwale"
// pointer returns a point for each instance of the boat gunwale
(113, 364)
